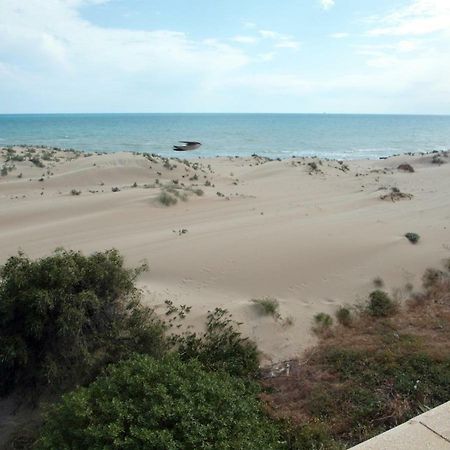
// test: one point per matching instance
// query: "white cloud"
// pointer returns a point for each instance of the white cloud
(419, 17)
(339, 35)
(327, 4)
(245, 39)
(280, 40)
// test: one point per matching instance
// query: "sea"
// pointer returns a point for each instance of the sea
(337, 136)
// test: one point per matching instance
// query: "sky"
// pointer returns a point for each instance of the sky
(284, 56)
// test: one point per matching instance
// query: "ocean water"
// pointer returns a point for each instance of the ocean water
(273, 135)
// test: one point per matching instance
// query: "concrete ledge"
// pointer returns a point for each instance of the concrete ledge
(429, 431)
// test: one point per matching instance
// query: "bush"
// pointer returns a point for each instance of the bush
(344, 316)
(412, 237)
(381, 305)
(63, 317)
(166, 199)
(268, 306)
(151, 404)
(220, 347)
(322, 323)
(75, 192)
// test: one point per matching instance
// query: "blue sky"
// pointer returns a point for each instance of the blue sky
(343, 56)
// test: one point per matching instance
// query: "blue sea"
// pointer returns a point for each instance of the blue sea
(274, 135)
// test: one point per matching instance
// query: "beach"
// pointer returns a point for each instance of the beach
(311, 233)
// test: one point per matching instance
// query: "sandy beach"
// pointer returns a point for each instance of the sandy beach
(311, 233)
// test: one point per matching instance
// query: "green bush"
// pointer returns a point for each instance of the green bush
(322, 323)
(268, 306)
(221, 346)
(344, 316)
(412, 237)
(63, 317)
(381, 305)
(144, 403)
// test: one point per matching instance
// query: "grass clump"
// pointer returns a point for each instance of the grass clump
(322, 323)
(381, 305)
(75, 192)
(267, 306)
(166, 199)
(166, 403)
(412, 237)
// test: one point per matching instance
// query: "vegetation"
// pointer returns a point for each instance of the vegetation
(268, 306)
(380, 304)
(364, 379)
(322, 323)
(221, 347)
(166, 199)
(155, 404)
(412, 237)
(70, 320)
(64, 317)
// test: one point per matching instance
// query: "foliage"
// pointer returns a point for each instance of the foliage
(322, 323)
(380, 304)
(412, 237)
(166, 199)
(65, 316)
(268, 306)
(220, 347)
(344, 316)
(145, 403)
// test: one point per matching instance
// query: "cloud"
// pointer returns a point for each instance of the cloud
(245, 39)
(339, 35)
(280, 40)
(327, 4)
(419, 17)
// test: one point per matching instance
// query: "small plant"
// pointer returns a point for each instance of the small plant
(134, 185)
(115, 189)
(166, 199)
(198, 192)
(268, 306)
(412, 237)
(431, 277)
(437, 160)
(75, 192)
(322, 323)
(4, 171)
(406, 168)
(344, 316)
(378, 282)
(381, 305)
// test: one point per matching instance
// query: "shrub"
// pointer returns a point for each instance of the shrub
(431, 277)
(381, 305)
(166, 199)
(4, 171)
(412, 237)
(75, 192)
(65, 316)
(322, 322)
(220, 347)
(406, 168)
(268, 306)
(344, 316)
(378, 282)
(115, 189)
(151, 404)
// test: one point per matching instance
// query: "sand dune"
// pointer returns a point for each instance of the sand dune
(312, 234)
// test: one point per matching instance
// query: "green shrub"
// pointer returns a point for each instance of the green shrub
(381, 305)
(268, 306)
(344, 316)
(432, 276)
(144, 403)
(412, 237)
(322, 322)
(221, 346)
(63, 317)
(75, 192)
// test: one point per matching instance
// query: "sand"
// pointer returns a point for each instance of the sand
(312, 234)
